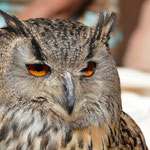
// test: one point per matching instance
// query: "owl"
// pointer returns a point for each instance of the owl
(59, 87)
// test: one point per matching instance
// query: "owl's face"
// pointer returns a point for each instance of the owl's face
(62, 68)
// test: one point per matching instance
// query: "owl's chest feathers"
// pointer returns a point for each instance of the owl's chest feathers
(28, 129)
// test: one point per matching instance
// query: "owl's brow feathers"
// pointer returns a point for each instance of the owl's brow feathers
(17, 26)
(105, 20)
(104, 28)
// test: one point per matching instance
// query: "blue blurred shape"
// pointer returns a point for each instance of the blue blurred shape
(5, 7)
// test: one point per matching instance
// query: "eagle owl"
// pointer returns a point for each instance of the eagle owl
(59, 87)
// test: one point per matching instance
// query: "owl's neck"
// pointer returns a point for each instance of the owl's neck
(34, 129)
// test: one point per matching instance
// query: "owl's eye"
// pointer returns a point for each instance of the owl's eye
(38, 69)
(90, 69)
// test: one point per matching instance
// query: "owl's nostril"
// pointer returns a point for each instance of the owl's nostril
(70, 97)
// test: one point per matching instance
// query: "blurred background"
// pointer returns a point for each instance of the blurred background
(130, 44)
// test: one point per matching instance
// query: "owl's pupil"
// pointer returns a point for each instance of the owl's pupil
(38, 68)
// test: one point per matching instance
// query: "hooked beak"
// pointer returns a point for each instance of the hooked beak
(70, 97)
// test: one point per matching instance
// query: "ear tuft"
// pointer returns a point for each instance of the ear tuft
(105, 26)
(13, 23)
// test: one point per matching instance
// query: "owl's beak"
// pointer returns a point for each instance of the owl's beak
(70, 97)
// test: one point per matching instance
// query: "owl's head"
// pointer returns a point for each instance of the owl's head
(62, 68)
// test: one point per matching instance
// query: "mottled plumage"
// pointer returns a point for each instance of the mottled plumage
(59, 88)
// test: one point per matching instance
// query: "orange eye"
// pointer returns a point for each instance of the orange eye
(38, 69)
(90, 69)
